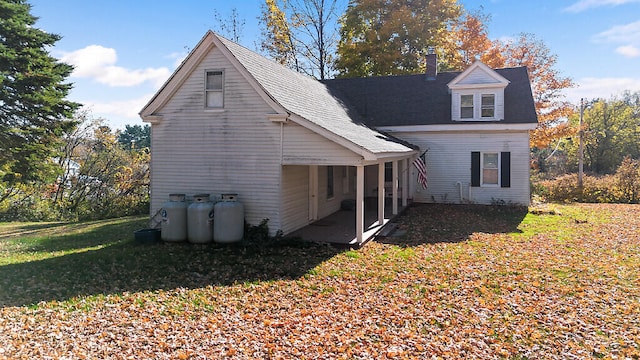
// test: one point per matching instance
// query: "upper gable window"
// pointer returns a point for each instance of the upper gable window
(466, 106)
(214, 89)
(488, 104)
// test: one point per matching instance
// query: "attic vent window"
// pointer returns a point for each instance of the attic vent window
(214, 89)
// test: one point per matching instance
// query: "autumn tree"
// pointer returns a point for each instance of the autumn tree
(111, 180)
(547, 84)
(469, 40)
(389, 37)
(302, 32)
(33, 110)
(277, 39)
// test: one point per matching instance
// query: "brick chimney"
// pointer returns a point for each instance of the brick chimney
(432, 64)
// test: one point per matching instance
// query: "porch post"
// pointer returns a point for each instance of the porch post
(359, 203)
(395, 188)
(381, 193)
(405, 182)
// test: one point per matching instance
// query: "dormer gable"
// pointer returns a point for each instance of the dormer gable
(477, 94)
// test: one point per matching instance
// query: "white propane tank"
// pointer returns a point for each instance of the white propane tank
(200, 220)
(174, 219)
(228, 225)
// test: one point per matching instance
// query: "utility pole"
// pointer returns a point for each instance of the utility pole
(581, 150)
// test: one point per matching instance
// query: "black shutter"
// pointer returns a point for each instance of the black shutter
(475, 168)
(505, 169)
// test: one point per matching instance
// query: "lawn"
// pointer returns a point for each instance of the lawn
(558, 281)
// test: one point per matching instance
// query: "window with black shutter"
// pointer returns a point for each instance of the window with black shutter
(489, 167)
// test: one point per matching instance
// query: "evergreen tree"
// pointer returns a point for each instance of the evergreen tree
(33, 110)
(135, 137)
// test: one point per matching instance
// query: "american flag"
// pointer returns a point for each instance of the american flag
(422, 171)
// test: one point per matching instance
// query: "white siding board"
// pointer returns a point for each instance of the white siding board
(302, 146)
(499, 104)
(449, 162)
(295, 197)
(216, 151)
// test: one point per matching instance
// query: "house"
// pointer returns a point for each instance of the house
(293, 148)
(473, 125)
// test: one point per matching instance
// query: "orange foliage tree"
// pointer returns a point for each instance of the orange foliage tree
(469, 41)
(546, 83)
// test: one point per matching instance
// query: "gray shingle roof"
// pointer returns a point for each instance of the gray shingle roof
(413, 100)
(312, 100)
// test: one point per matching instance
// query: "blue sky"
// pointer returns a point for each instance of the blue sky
(123, 50)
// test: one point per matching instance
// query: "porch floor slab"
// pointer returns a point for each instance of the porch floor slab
(339, 228)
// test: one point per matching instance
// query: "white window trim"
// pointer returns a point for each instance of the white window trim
(206, 90)
(493, 106)
(473, 107)
(482, 183)
(477, 105)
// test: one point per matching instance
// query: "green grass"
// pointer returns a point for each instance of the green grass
(58, 262)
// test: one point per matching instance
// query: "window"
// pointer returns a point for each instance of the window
(214, 89)
(466, 106)
(477, 105)
(488, 105)
(489, 169)
(330, 186)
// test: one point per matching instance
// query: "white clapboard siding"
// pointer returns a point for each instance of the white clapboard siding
(295, 197)
(302, 146)
(198, 150)
(449, 163)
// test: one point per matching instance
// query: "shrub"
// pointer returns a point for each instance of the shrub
(623, 187)
(628, 175)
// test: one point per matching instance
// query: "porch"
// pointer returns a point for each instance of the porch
(339, 228)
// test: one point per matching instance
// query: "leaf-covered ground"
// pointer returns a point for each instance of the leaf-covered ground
(463, 282)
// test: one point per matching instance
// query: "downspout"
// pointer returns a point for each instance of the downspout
(459, 184)
(281, 143)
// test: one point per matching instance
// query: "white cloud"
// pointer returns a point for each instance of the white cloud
(591, 88)
(629, 51)
(628, 33)
(99, 63)
(118, 112)
(583, 5)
